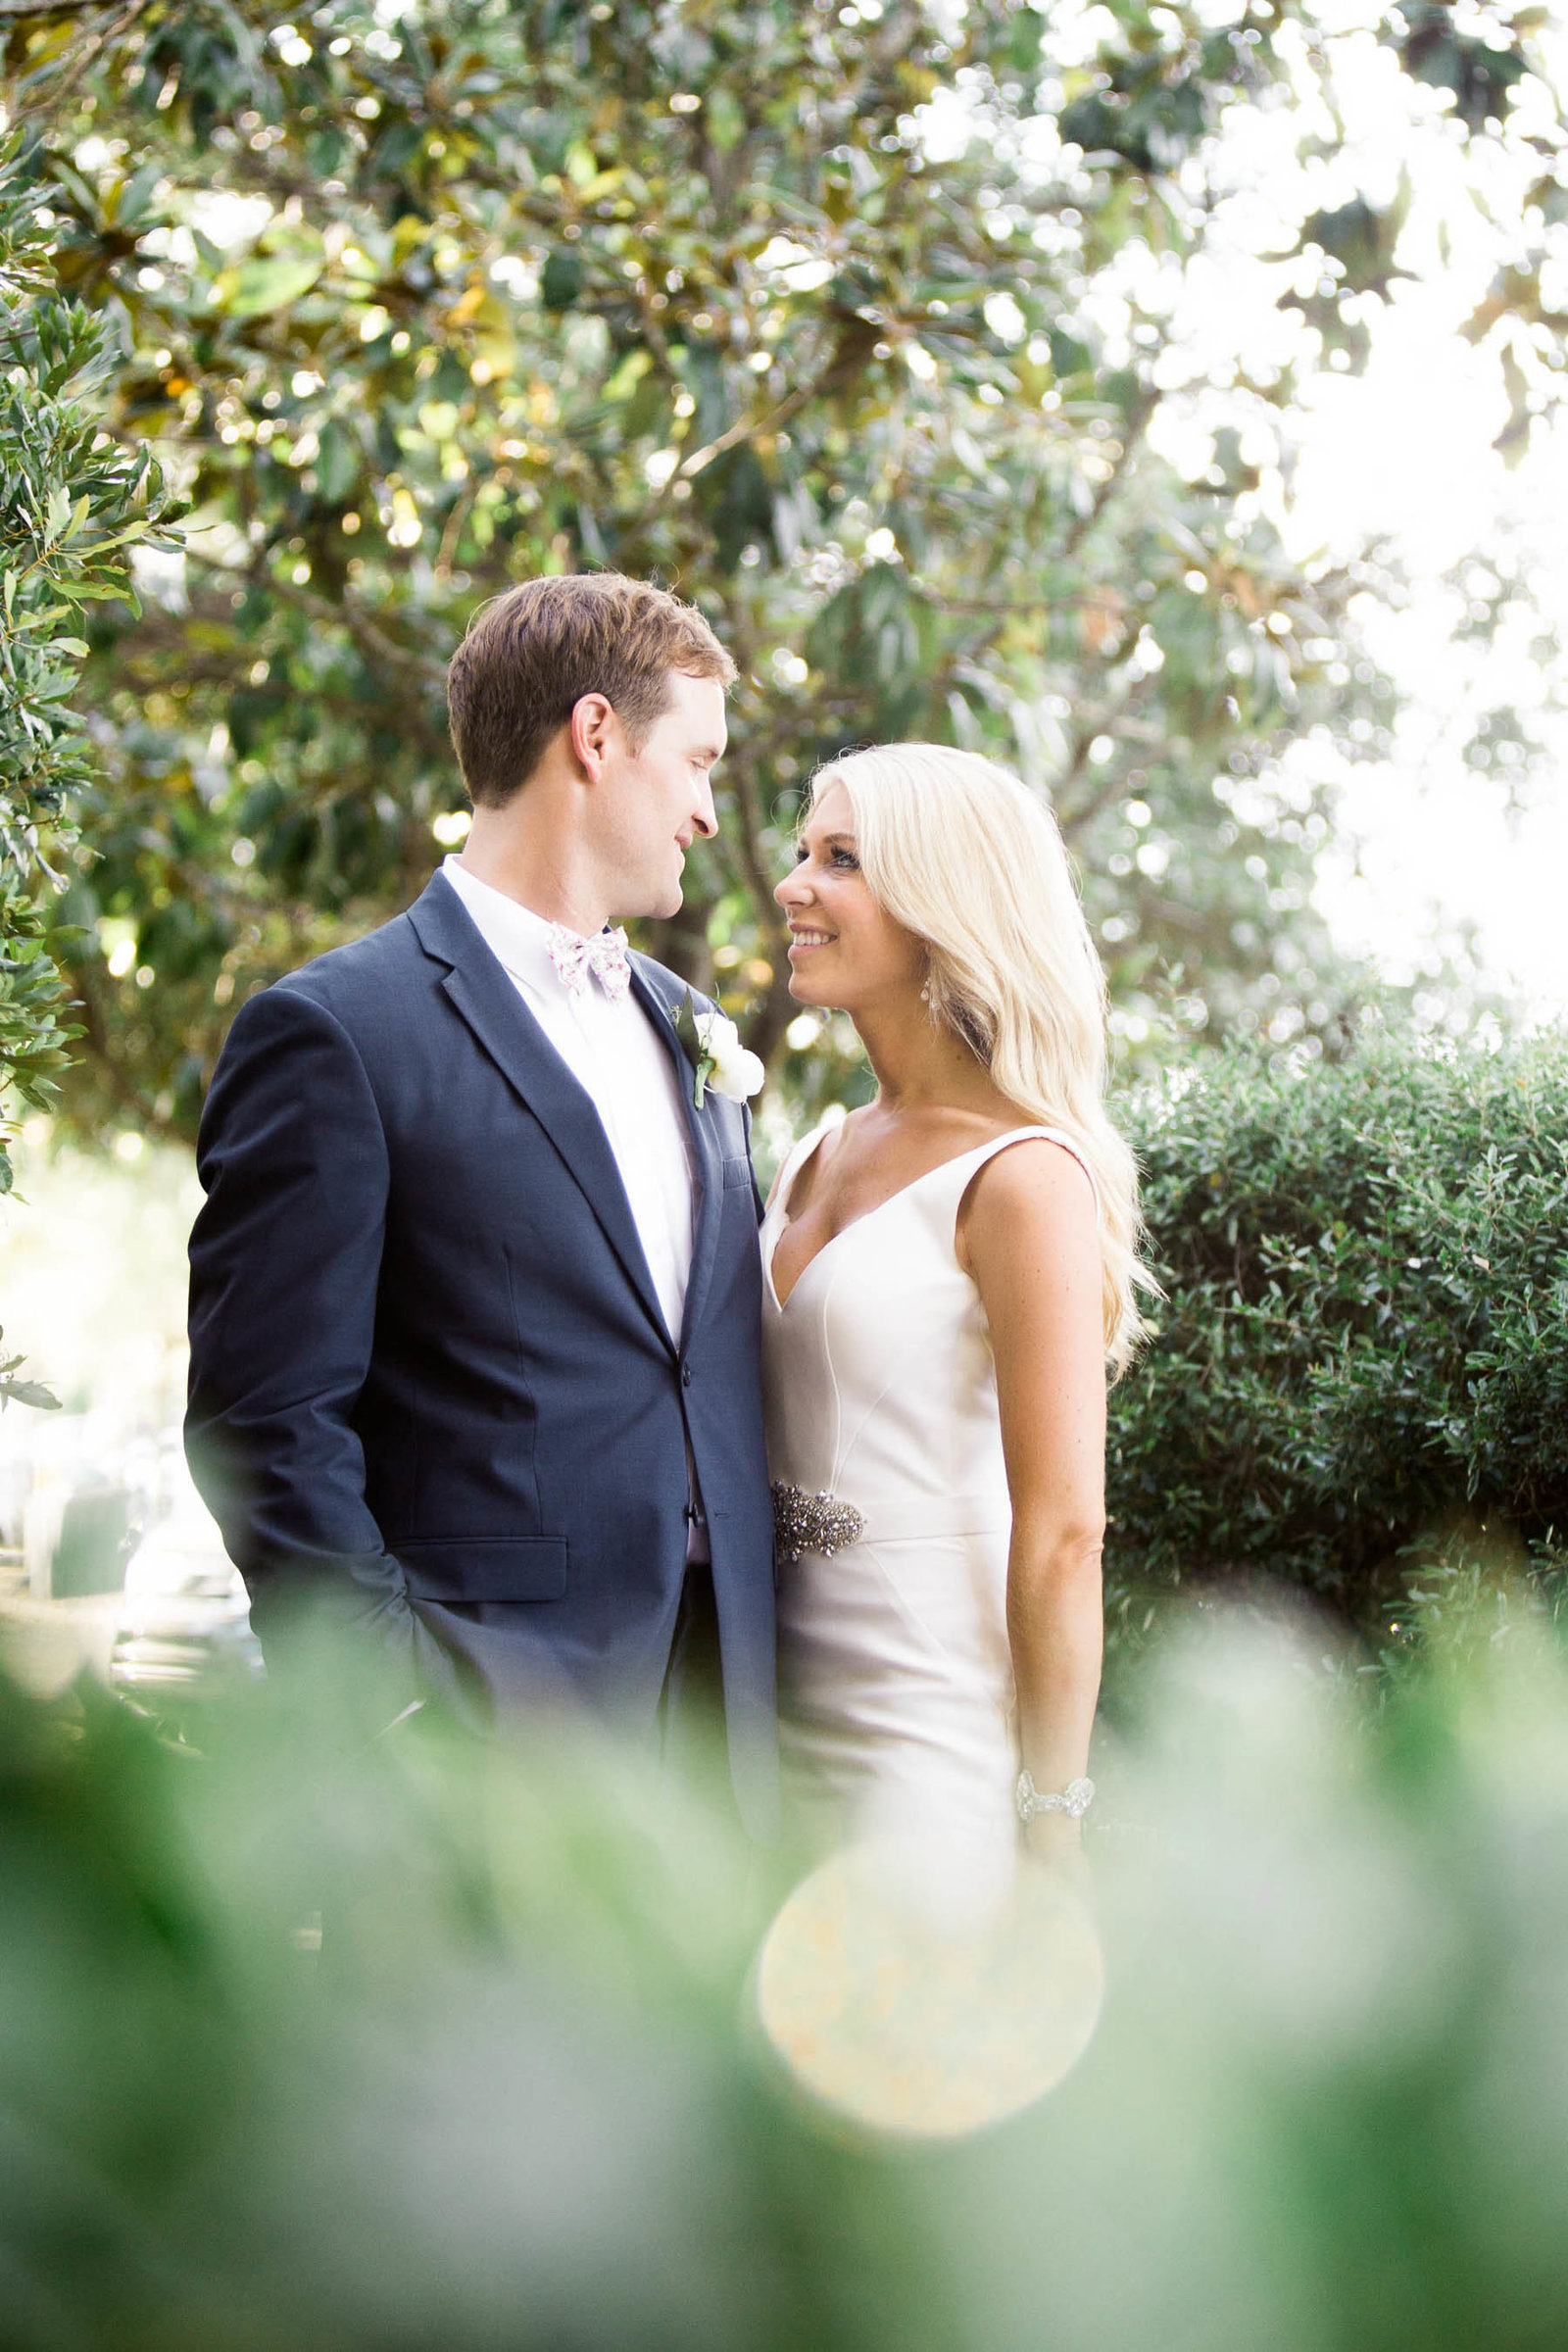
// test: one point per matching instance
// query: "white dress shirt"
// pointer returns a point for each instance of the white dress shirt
(629, 1075)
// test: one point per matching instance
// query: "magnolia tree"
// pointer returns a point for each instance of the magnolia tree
(946, 356)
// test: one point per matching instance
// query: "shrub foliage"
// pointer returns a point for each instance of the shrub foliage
(1364, 1350)
(495, 2100)
(72, 503)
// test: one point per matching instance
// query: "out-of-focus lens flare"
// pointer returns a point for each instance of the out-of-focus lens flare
(926, 2019)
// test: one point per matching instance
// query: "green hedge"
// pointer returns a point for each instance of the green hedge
(1363, 1359)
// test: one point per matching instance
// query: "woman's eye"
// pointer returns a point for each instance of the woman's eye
(847, 858)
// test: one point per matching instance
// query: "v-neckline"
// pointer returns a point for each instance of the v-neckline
(864, 1217)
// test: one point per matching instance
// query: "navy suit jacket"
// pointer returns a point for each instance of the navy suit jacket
(431, 1390)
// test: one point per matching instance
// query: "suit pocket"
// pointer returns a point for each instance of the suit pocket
(737, 1173)
(484, 1567)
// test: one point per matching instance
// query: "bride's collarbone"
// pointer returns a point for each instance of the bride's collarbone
(858, 1173)
(844, 1182)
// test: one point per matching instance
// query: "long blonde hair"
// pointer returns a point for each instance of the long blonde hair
(960, 852)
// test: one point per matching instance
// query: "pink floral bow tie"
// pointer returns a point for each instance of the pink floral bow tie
(574, 957)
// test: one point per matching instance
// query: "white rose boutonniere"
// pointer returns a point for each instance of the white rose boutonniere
(713, 1045)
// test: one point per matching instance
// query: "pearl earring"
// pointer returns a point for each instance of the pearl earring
(926, 993)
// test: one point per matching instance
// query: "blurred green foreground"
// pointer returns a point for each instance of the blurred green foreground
(512, 2099)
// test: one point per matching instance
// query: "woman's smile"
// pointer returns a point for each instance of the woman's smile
(804, 938)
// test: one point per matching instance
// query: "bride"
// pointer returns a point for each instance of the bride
(949, 1271)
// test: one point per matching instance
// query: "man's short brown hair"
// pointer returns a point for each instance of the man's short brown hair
(531, 653)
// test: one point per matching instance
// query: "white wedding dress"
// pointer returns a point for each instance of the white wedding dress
(898, 1715)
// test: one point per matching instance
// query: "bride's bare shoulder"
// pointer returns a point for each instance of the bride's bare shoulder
(1038, 1191)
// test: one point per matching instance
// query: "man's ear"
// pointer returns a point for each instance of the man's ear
(591, 727)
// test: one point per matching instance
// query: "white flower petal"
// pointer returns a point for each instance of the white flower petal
(738, 1077)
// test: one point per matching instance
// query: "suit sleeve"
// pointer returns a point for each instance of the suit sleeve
(285, 1260)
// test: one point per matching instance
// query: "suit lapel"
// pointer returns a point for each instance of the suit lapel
(659, 998)
(501, 1020)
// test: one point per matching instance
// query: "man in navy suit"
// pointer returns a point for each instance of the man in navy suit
(475, 1290)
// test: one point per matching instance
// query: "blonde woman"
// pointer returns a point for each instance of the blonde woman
(949, 1271)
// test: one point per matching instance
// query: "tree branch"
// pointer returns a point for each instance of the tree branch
(747, 428)
(124, 1090)
(1073, 820)
(1135, 427)
(369, 638)
(74, 67)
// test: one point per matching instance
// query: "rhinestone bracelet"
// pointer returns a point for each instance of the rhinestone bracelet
(1074, 1800)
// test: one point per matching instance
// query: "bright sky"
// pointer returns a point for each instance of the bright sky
(1429, 847)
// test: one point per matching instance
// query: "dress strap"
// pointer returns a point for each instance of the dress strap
(799, 1154)
(976, 1159)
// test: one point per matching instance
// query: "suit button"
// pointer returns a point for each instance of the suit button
(685, 1376)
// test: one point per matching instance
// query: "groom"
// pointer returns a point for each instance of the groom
(474, 1294)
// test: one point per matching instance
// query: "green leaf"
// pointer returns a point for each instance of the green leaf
(268, 282)
(338, 461)
(560, 281)
(684, 1018)
(725, 120)
(101, 546)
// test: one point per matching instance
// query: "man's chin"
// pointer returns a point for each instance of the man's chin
(649, 906)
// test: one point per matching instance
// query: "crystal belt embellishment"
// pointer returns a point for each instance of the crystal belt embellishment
(817, 1522)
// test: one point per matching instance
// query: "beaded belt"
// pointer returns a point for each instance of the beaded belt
(824, 1522)
(818, 1522)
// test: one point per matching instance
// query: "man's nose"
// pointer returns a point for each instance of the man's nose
(706, 818)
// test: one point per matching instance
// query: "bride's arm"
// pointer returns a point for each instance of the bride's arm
(1028, 1236)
